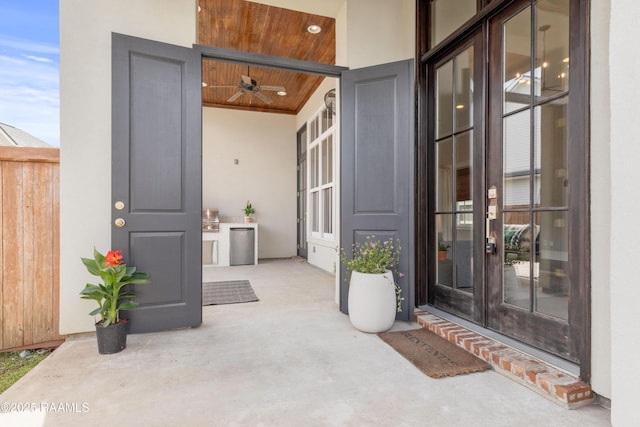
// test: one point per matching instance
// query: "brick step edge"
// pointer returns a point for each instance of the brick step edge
(552, 383)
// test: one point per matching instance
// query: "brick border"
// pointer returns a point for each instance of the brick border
(552, 383)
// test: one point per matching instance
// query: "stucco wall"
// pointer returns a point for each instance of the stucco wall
(85, 119)
(379, 31)
(600, 200)
(265, 146)
(624, 64)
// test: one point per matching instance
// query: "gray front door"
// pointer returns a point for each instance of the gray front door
(377, 170)
(156, 177)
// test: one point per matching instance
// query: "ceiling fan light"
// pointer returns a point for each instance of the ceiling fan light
(314, 29)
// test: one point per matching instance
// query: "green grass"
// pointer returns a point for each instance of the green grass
(13, 367)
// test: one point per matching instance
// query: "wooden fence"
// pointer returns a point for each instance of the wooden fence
(30, 250)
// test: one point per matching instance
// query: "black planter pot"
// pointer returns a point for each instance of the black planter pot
(113, 338)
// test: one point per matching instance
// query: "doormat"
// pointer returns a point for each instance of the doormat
(432, 354)
(227, 292)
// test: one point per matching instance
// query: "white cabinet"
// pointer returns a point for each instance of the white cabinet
(218, 243)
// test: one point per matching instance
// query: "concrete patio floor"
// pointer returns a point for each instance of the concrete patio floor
(289, 359)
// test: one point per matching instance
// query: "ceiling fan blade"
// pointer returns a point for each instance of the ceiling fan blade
(220, 86)
(262, 97)
(246, 80)
(235, 96)
(273, 88)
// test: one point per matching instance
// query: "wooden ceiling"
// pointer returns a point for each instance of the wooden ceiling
(257, 28)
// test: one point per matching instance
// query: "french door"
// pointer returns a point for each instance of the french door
(458, 153)
(508, 241)
(528, 277)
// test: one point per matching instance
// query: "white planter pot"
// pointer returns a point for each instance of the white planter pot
(372, 301)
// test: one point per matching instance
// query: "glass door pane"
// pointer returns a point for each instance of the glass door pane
(447, 16)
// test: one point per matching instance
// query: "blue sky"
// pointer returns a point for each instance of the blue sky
(29, 67)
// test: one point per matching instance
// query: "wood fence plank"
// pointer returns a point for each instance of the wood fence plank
(43, 251)
(28, 237)
(12, 259)
(55, 263)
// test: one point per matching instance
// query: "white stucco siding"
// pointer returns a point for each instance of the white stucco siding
(379, 31)
(625, 155)
(85, 119)
(600, 181)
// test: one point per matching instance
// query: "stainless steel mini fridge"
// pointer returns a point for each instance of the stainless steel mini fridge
(242, 246)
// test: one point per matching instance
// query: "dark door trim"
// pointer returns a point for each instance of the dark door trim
(327, 70)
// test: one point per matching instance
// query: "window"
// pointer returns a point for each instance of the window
(448, 16)
(321, 174)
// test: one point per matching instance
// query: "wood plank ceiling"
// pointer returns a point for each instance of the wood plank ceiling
(257, 28)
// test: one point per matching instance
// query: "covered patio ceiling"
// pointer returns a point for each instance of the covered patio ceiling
(249, 26)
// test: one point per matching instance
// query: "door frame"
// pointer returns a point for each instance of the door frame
(580, 243)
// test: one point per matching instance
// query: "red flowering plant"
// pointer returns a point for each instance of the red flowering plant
(110, 296)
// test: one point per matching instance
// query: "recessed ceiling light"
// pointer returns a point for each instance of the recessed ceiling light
(459, 107)
(199, 8)
(314, 29)
(282, 92)
(204, 84)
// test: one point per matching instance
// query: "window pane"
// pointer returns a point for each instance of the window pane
(464, 165)
(551, 268)
(447, 16)
(516, 276)
(516, 158)
(330, 159)
(327, 208)
(552, 47)
(444, 231)
(313, 130)
(464, 89)
(463, 251)
(327, 160)
(324, 162)
(517, 61)
(315, 217)
(444, 189)
(313, 159)
(302, 175)
(302, 225)
(551, 163)
(444, 107)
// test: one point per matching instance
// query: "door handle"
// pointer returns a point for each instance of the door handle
(492, 215)
(119, 222)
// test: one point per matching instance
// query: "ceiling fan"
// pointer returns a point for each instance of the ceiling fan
(250, 86)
